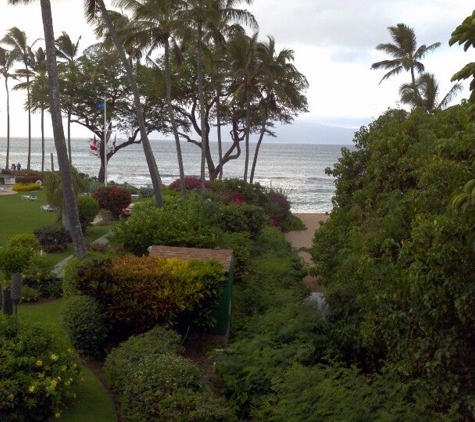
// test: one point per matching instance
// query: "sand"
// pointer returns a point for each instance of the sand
(303, 239)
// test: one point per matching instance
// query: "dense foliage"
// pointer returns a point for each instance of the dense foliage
(113, 198)
(395, 259)
(137, 293)
(37, 372)
(53, 238)
(154, 382)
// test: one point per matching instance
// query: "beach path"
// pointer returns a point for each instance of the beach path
(303, 239)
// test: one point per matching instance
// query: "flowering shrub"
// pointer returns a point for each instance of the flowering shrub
(21, 187)
(191, 183)
(113, 198)
(24, 241)
(38, 275)
(37, 373)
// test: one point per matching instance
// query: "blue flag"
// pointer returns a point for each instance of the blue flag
(101, 105)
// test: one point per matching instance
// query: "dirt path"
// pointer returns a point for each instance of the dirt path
(303, 239)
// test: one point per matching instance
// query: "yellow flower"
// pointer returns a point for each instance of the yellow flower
(63, 368)
(31, 388)
(70, 350)
(10, 397)
(54, 357)
(57, 415)
(39, 363)
(53, 384)
(67, 383)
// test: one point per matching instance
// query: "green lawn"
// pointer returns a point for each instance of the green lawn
(22, 217)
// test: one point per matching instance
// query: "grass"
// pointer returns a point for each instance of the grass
(93, 401)
(22, 217)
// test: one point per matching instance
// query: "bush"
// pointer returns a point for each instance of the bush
(29, 294)
(37, 372)
(24, 241)
(180, 223)
(52, 238)
(191, 183)
(14, 259)
(139, 292)
(38, 275)
(153, 382)
(88, 209)
(21, 187)
(113, 199)
(85, 324)
(234, 218)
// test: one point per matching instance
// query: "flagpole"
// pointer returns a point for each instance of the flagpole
(105, 142)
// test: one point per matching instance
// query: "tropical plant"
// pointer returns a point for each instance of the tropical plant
(425, 93)
(405, 53)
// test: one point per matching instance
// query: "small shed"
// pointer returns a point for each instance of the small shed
(222, 312)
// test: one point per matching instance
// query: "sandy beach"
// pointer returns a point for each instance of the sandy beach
(303, 239)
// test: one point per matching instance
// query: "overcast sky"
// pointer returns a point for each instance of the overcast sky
(334, 43)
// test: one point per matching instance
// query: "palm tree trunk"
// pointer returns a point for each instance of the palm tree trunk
(42, 139)
(248, 130)
(204, 135)
(69, 197)
(256, 152)
(28, 166)
(152, 165)
(220, 142)
(172, 119)
(69, 137)
(7, 165)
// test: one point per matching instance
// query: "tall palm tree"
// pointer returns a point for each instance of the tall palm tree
(427, 93)
(281, 89)
(39, 96)
(245, 67)
(7, 59)
(404, 52)
(17, 40)
(68, 51)
(155, 23)
(71, 209)
(90, 7)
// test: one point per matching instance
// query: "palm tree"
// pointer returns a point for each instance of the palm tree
(404, 52)
(281, 87)
(154, 23)
(90, 7)
(71, 208)
(7, 59)
(427, 93)
(17, 40)
(243, 57)
(68, 51)
(39, 93)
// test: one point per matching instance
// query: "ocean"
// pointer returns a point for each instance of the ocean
(296, 169)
